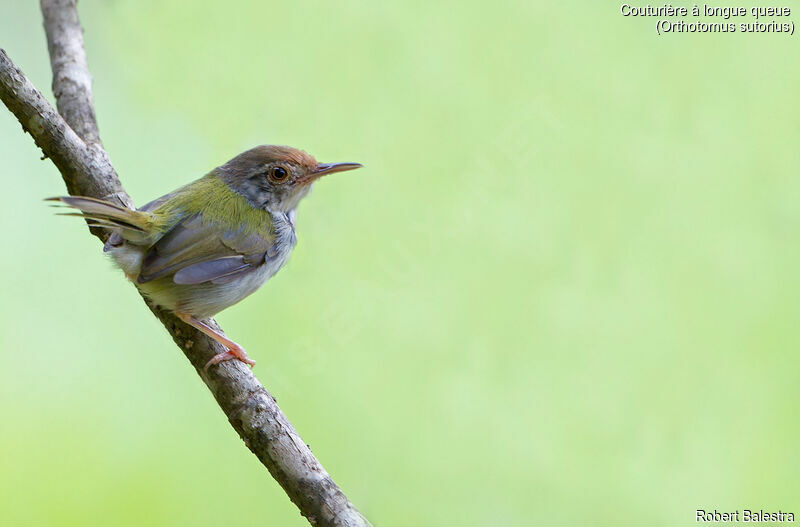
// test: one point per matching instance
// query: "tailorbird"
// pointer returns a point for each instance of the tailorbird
(211, 243)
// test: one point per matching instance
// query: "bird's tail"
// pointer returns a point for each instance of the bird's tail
(132, 225)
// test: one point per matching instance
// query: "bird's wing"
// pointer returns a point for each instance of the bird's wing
(197, 251)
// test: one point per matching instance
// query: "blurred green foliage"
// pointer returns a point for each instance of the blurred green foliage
(563, 291)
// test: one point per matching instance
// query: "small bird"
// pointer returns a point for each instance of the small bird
(211, 243)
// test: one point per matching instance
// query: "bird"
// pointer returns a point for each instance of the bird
(211, 243)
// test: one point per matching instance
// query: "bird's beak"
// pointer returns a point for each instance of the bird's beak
(330, 168)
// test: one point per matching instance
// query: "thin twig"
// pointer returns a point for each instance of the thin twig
(86, 170)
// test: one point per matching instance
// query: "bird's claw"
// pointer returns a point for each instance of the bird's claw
(238, 354)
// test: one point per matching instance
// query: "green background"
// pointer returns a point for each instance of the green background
(563, 291)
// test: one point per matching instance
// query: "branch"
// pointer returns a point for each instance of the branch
(56, 139)
(86, 170)
(72, 82)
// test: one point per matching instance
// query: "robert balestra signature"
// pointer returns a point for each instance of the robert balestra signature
(744, 516)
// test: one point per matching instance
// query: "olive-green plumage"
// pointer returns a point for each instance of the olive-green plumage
(229, 207)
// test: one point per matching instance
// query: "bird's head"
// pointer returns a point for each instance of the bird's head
(276, 177)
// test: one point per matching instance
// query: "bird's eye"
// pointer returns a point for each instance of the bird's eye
(278, 174)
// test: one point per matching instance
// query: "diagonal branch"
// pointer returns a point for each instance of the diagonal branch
(86, 170)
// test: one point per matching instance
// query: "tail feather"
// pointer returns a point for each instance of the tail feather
(133, 225)
(110, 221)
(88, 204)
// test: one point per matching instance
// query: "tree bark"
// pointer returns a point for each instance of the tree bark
(70, 138)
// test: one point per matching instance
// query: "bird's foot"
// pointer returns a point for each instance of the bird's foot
(237, 353)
